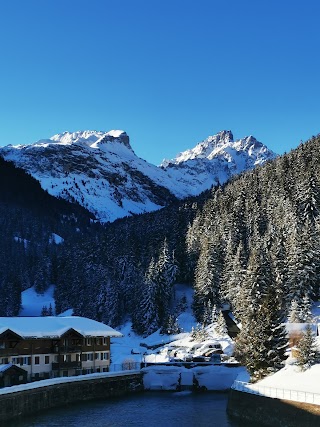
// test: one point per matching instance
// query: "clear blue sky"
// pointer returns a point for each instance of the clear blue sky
(168, 72)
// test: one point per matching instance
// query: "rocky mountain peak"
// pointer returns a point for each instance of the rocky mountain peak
(118, 136)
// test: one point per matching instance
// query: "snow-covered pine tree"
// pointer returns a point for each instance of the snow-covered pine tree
(165, 272)
(147, 319)
(305, 310)
(307, 353)
(294, 312)
(221, 326)
(110, 310)
(170, 326)
(302, 269)
(262, 341)
(214, 314)
(233, 279)
(44, 311)
(199, 333)
(255, 285)
(207, 279)
(207, 315)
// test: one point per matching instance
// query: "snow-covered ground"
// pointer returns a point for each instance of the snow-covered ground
(32, 302)
(167, 347)
(158, 348)
(290, 382)
(214, 378)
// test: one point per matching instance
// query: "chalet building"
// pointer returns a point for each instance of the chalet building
(48, 347)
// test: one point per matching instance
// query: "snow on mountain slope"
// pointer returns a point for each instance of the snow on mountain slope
(217, 158)
(101, 171)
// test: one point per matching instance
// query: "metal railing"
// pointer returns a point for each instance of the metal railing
(67, 349)
(277, 393)
(125, 366)
(66, 365)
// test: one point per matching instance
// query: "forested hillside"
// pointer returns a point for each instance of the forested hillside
(253, 242)
(255, 238)
(28, 219)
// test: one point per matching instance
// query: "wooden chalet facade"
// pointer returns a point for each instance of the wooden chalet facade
(48, 347)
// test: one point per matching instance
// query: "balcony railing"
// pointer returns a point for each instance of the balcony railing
(67, 349)
(66, 365)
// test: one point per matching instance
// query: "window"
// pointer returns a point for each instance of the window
(2, 344)
(88, 341)
(67, 357)
(47, 360)
(99, 341)
(56, 358)
(27, 360)
(84, 357)
(105, 369)
(105, 341)
(5, 360)
(90, 357)
(104, 356)
(96, 356)
(37, 360)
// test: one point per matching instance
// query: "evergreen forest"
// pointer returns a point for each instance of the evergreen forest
(253, 244)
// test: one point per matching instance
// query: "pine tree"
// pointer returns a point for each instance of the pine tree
(207, 280)
(44, 311)
(305, 310)
(214, 314)
(294, 312)
(233, 279)
(307, 353)
(262, 342)
(199, 333)
(148, 310)
(221, 326)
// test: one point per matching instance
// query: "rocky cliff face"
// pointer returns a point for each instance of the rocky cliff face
(101, 171)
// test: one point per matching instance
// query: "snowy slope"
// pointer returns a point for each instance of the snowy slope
(101, 171)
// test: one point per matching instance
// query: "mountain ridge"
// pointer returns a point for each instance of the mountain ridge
(102, 173)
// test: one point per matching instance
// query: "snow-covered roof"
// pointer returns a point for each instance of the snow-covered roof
(3, 368)
(53, 327)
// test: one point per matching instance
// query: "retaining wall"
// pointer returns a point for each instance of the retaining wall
(26, 402)
(266, 411)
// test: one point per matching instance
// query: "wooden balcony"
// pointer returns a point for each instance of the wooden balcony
(6, 352)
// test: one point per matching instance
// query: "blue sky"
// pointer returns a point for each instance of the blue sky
(168, 72)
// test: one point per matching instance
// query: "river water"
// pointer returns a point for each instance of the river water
(151, 409)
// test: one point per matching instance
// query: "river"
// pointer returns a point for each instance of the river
(149, 409)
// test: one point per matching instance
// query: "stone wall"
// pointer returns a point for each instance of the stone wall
(265, 411)
(27, 402)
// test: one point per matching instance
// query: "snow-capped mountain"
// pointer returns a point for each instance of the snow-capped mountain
(101, 171)
(217, 158)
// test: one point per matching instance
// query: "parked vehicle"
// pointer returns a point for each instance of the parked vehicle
(215, 358)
